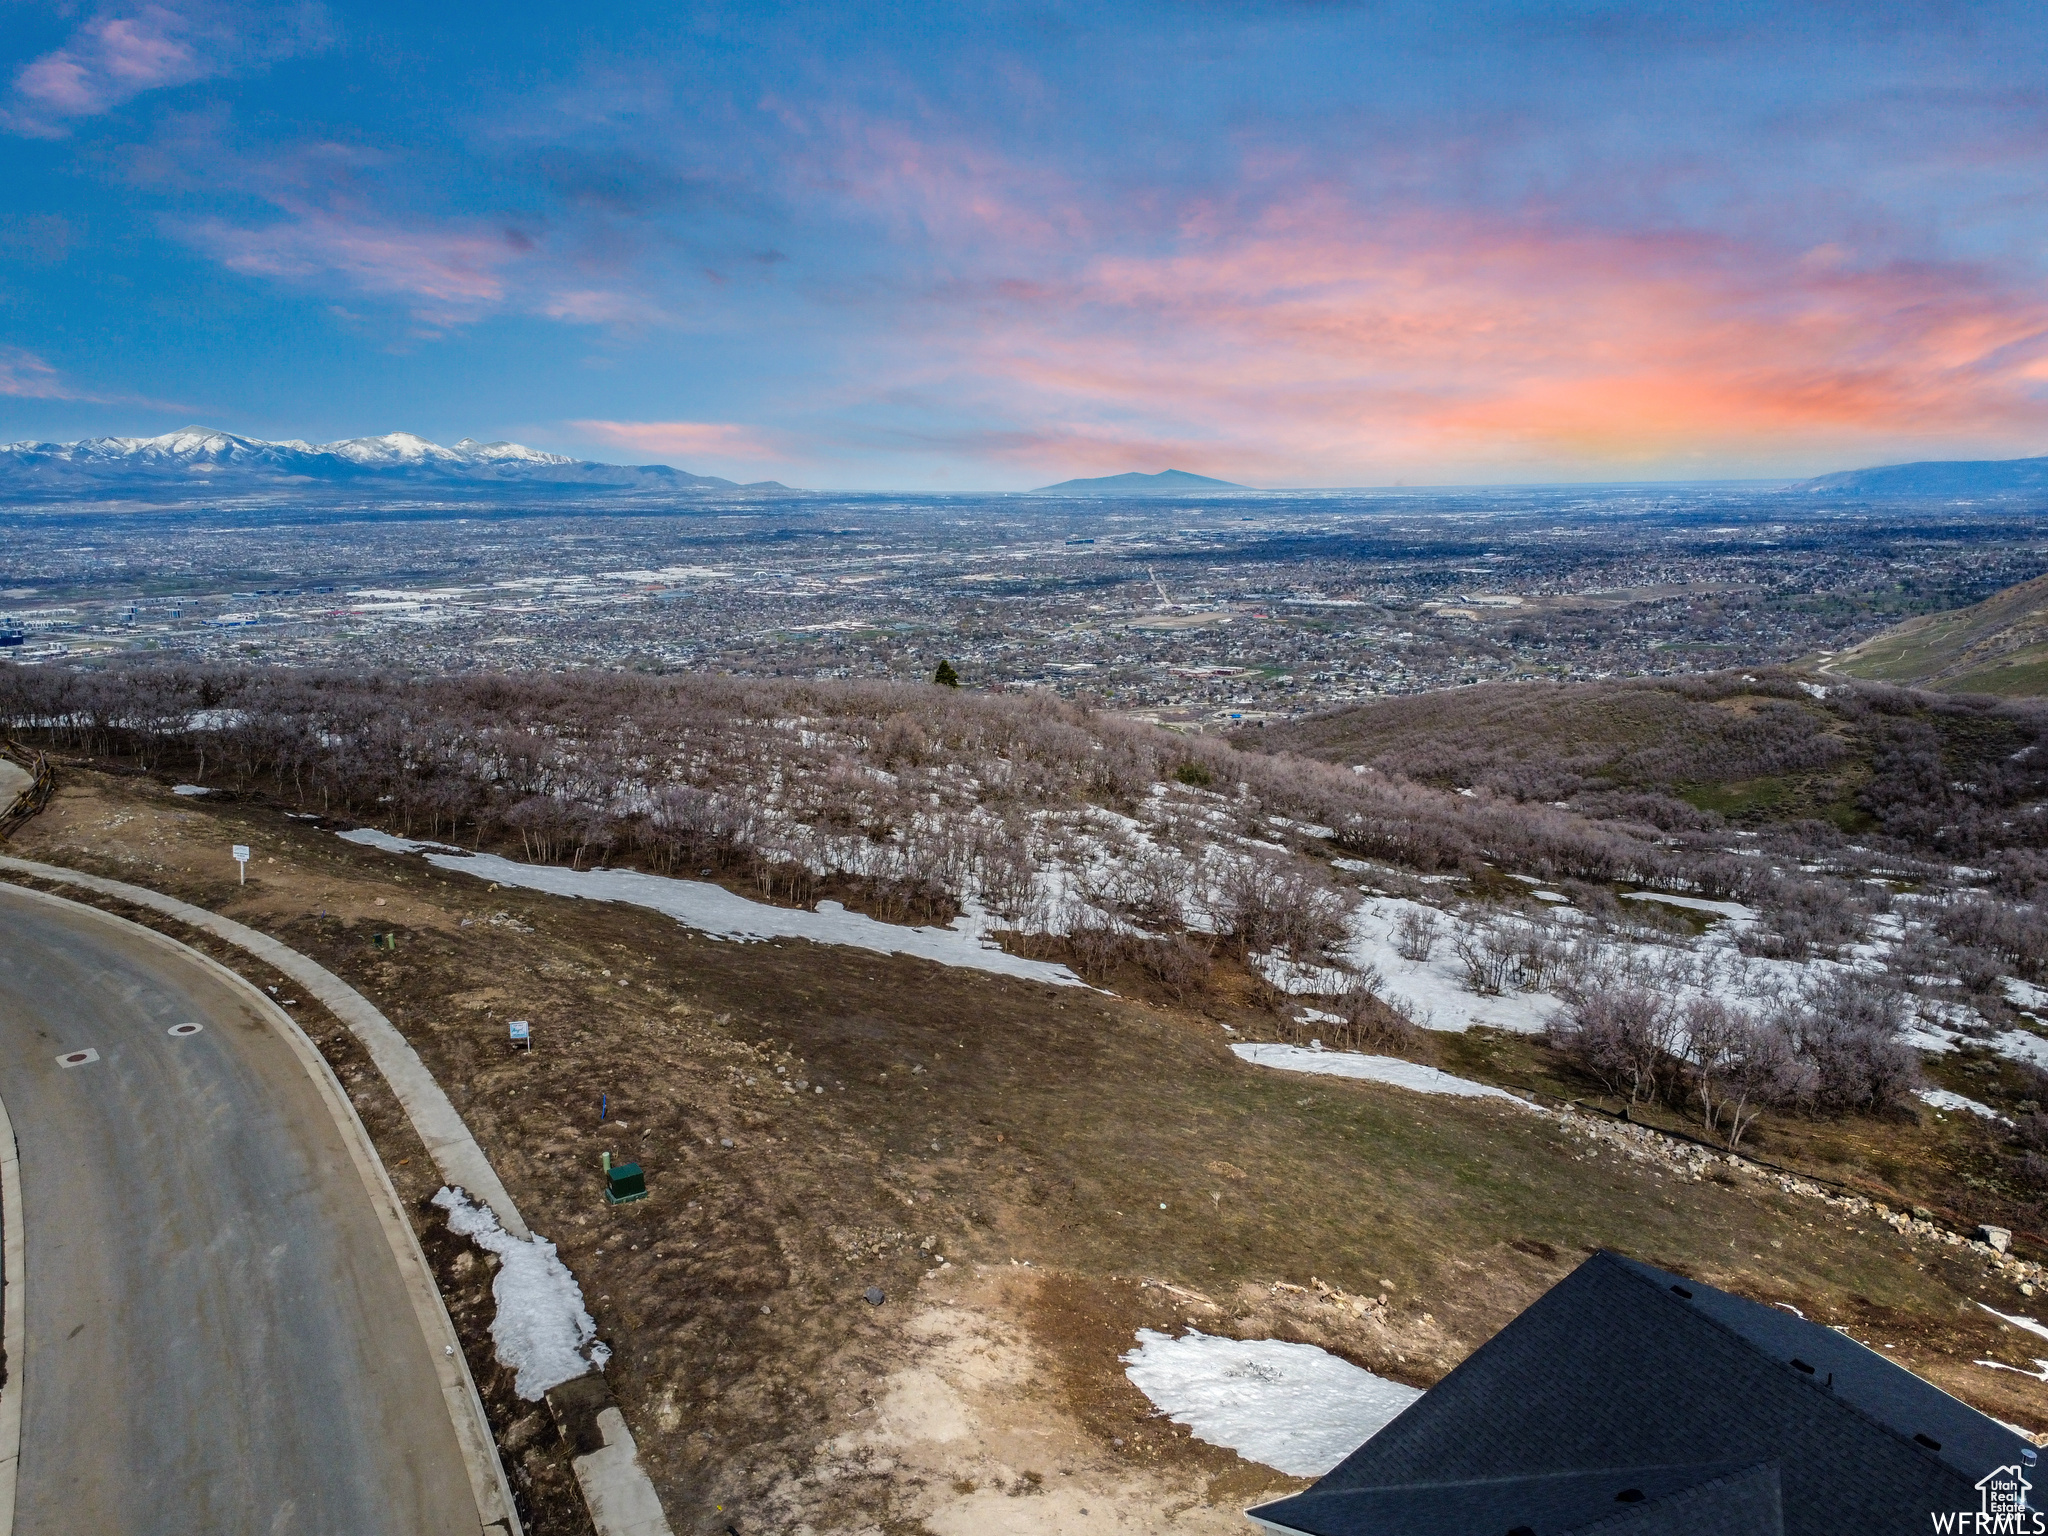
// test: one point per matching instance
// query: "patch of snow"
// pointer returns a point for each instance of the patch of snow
(713, 910)
(370, 837)
(1550, 896)
(1432, 992)
(2040, 1375)
(1292, 1407)
(1372, 1069)
(1928, 1041)
(1733, 910)
(2028, 1324)
(1941, 1098)
(2018, 1045)
(2020, 1322)
(1815, 689)
(1305, 828)
(1295, 978)
(214, 719)
(541, 1328)
(190, 789)
(2024, 994)
(1938, 1024)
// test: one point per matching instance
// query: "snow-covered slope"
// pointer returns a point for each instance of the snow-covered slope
(199, 457)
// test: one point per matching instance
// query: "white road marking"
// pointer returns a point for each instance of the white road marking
(78, 1058)
(182, 1030)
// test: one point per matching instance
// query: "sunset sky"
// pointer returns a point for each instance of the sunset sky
(990, 246)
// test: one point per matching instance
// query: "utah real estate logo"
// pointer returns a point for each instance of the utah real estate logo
(2003, 1494)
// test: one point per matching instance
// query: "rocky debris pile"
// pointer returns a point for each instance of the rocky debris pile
(1689, 1159)
(1372, 1309)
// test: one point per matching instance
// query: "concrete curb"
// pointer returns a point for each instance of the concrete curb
(13, 1318)
(616, 1489)
(496, 1513)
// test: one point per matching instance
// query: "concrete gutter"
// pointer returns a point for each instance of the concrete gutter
(616, 1488)
(13, 1318)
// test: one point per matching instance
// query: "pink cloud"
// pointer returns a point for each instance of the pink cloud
(1319, 344)
(24, 376)
(597, 306)
(723, 439)
(930, 182)
(120, 54)
(450, 275)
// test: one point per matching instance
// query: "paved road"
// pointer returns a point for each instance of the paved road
(219, 1339)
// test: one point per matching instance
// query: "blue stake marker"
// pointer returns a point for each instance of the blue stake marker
(604, 1104)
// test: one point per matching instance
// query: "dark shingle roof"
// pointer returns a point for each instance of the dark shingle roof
(1714, 1500)
(1624, 1366)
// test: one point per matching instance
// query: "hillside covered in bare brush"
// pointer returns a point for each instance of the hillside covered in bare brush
(1718, 896)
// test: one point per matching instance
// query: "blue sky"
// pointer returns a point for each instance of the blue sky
(986, 246)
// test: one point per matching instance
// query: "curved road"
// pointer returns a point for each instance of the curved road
(219, 1338)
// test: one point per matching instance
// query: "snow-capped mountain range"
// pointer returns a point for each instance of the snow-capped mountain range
(201, 460)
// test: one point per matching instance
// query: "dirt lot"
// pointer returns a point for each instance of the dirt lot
(1085, 1165)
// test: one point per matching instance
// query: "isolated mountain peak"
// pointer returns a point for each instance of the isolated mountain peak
(1134, 481)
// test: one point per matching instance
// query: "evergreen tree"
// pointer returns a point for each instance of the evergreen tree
(945, 676)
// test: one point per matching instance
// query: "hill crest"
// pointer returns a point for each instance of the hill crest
(1935, 477)
(1997, 646)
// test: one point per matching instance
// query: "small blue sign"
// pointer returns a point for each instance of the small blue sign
(519, 1029)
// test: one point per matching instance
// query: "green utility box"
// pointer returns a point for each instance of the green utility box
(624, 1183)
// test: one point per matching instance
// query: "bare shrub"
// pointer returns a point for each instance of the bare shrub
(1365, 1022)
(2016, 935)
(1846, 1032)
(1625, 1036)
(1492, 957)
(1416, 931)
(1804, 917)
(1264, 905)
(1006, 876)
(1179, 964)
(1098, 946)
(1540, 954)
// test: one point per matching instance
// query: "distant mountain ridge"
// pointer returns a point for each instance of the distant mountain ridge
(201, 459)
(1936, 477)
(1165, 480)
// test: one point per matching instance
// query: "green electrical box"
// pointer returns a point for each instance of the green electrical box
(623, 1183)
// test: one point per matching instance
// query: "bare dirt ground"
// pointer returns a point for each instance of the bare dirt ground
(1030, 1173)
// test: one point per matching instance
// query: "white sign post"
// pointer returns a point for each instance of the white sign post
(242, 859)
